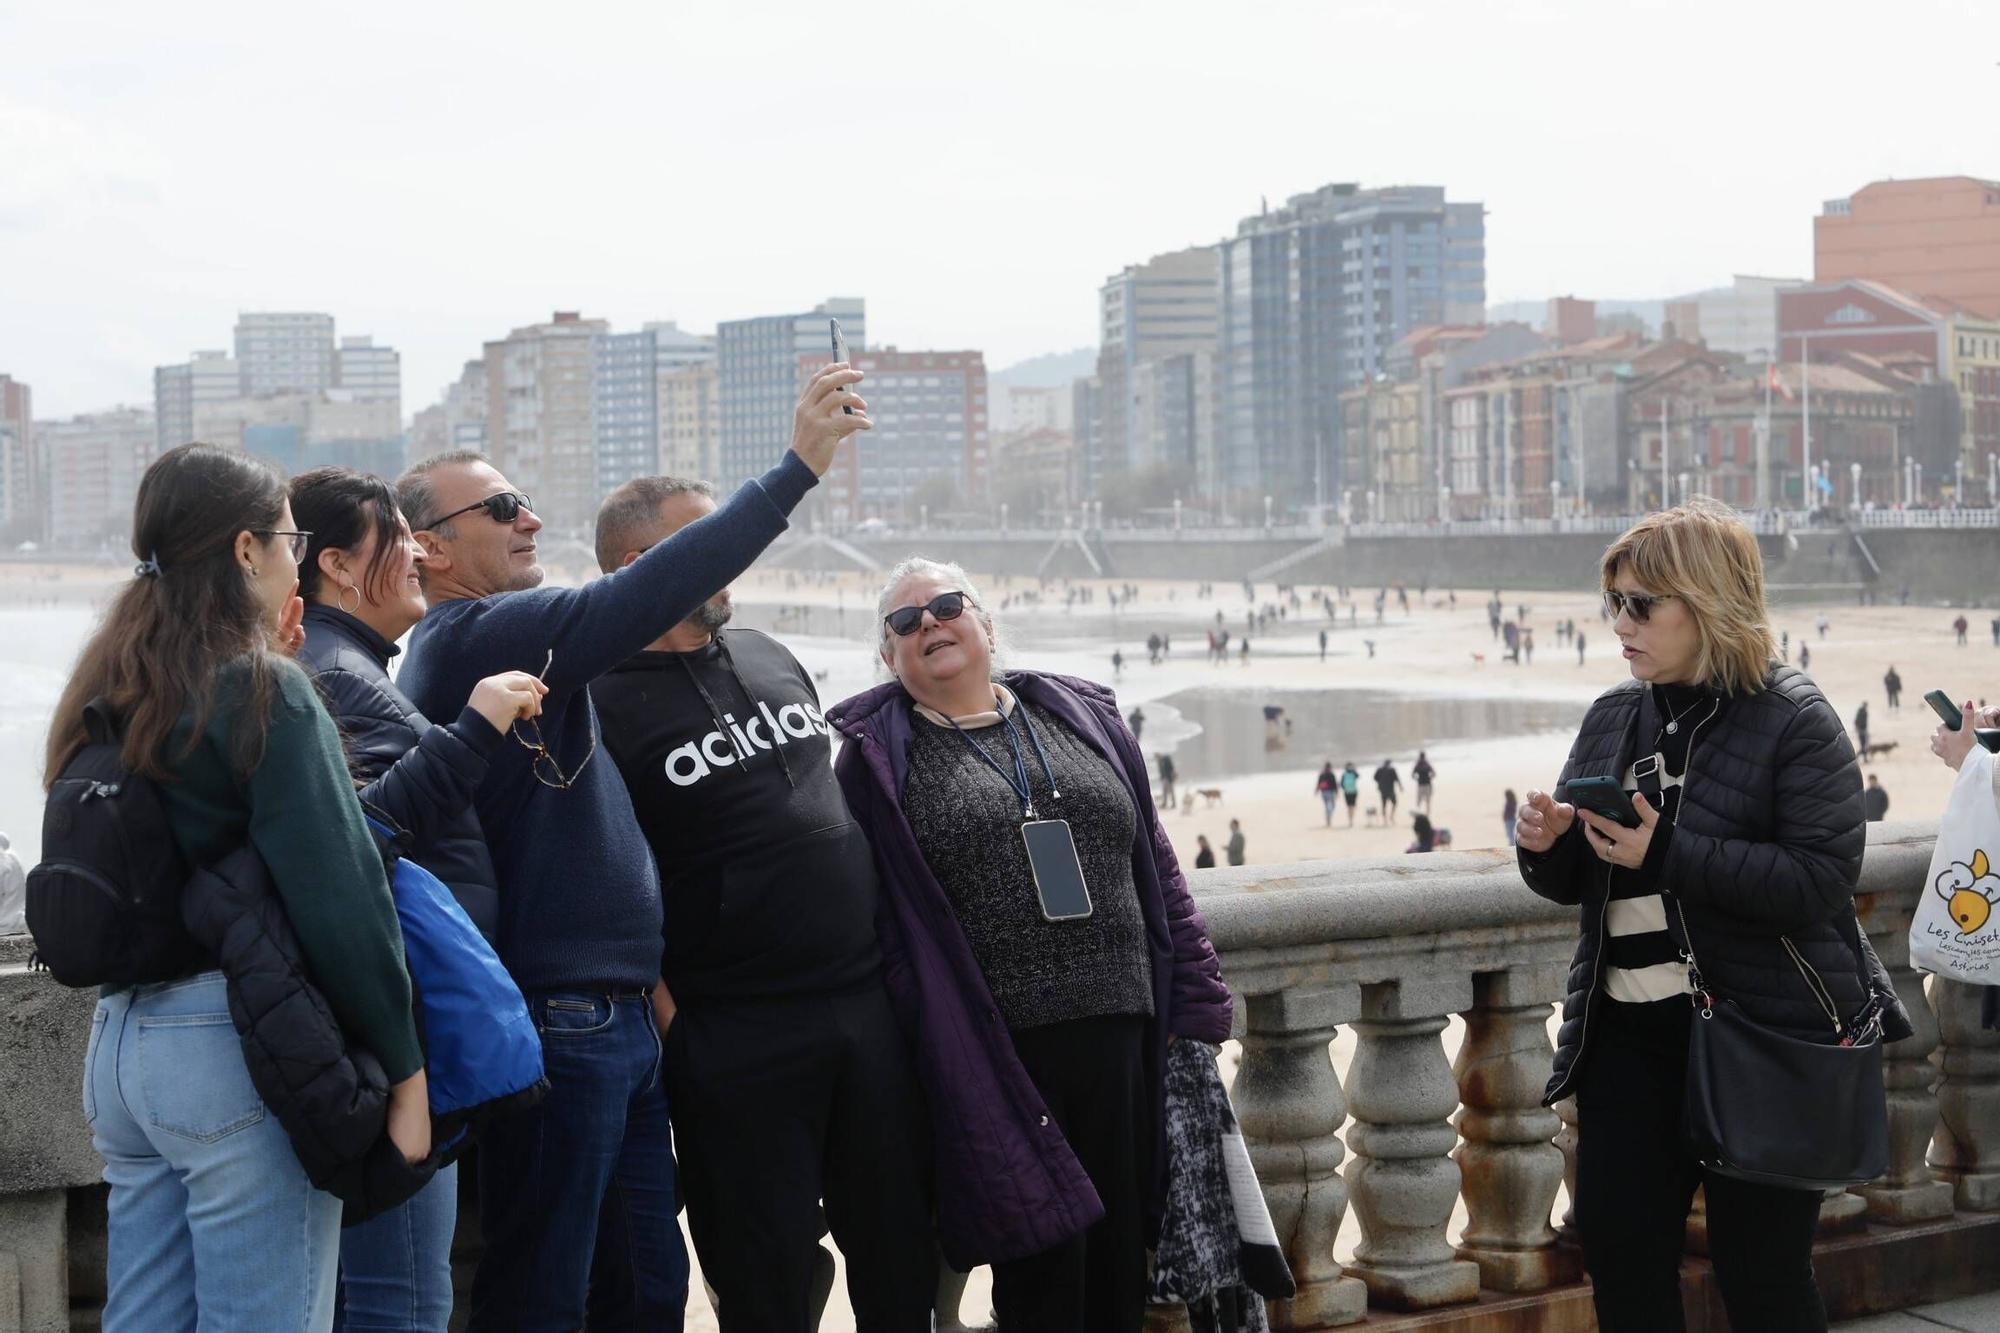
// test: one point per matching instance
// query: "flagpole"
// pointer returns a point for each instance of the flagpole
(1764, 442)
(1805, 427)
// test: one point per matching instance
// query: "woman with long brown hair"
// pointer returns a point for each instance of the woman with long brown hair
(212, 1219)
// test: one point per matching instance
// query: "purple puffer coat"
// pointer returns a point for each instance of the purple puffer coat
(1008, 1185)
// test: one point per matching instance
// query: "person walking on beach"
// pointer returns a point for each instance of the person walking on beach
(1861, 729)
(1136, 719)
(1821, 624)
(1322, 643)
(1959, 627)
(1423, 773)
(1510, 808)
(1528, 646)
(1234, 847)
(787, 1075)
(1579, 647)
(1805, 657)
(1350, 790)
(1892, 686)
(580, 907)
(1244, 654)
(1167, 775)
(1387, 782)
(1328, 787)
(1204, 855)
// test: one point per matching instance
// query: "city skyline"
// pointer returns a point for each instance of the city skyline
(962, 177)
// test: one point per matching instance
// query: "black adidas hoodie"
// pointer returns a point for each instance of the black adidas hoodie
(769, 886)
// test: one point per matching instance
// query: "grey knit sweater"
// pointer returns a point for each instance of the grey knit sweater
(967, 822)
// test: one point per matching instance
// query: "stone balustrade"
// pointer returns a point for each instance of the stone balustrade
(1392, 951)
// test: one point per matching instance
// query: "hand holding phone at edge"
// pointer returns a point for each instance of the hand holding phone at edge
(1541, 821)
(819, 424)
(1617, 844)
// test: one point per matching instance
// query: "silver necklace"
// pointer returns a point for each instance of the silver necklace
(1674, 722)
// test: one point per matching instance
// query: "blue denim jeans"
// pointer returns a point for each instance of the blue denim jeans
(544, 1174)
(212, 1220)
(395, 1268)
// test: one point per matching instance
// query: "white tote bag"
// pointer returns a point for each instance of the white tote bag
(1956, 931)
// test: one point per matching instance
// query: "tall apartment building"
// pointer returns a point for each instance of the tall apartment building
(628, 367)
(690, 420)
(206, 377)
(94, 465)
(541, 419)
(371, 374)
(285, 351)
(757, 376)
(20, 473)
(1742, 318)
(929, 445)
(1163, 308)
(1938, 236)
(1312, 297)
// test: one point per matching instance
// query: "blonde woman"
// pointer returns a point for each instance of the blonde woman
(1750, 833)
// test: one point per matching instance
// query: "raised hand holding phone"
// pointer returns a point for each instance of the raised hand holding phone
(826, 415)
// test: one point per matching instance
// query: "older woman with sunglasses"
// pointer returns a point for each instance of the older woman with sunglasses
(1039, 941)
(1744, 854)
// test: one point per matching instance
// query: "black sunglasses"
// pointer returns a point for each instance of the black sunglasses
(906, 620)
(502, 508)
(1639, 604)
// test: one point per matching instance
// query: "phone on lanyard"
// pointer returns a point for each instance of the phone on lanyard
(840, 355)
(1057, 870)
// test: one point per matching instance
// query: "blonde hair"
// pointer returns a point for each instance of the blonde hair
(1703, 554)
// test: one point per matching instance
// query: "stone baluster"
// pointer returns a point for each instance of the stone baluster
(1966, 1149)
(1288, 1102)
(1402, 1177)
(1509, 1161)
(1908, 1192)
(1566, 1142)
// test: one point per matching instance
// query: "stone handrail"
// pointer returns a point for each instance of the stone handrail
(1393, 949)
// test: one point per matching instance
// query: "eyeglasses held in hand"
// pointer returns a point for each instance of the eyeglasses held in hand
(1639, 604)
(528, 732)
(905, 620)
(502, 508)
(297, 540)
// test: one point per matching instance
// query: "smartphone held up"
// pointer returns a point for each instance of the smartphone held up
(839, 355)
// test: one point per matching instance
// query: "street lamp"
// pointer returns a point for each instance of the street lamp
(1177, 513)
(1854, 486)
(1919, 492)
(1267, 513)
(1444, 497)
(1684, 487)
(1555, 499)
(1003, 516)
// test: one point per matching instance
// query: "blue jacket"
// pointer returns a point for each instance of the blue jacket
(421, 776)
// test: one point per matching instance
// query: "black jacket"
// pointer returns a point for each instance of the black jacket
(331, 1098)
(1767, 844)
(422, 776)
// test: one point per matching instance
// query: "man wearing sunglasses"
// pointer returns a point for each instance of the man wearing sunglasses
(788, 1075)
(580, 915)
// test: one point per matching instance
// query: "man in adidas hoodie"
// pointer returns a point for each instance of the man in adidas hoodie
(580, 914)
(788, 1076)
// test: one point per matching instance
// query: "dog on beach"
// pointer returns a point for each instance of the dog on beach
(1213, 795)
(1479, 659)
(1879, 748)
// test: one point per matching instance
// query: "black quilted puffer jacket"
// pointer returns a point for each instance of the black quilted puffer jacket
(332, 1098)
(1766, 847)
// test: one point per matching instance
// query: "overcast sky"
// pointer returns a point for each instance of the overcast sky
(435, 175)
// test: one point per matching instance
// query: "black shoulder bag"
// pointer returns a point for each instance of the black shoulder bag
(1776, 1109)
(1781, 1110)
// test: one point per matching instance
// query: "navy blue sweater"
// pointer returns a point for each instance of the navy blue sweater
(579, 896)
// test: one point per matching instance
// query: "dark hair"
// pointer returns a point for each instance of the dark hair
(416, 493)
(341, 508)
(166, 638)
(633, 507)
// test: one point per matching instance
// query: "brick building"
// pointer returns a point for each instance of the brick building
(1938, 236)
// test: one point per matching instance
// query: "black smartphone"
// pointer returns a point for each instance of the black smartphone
(1950, 712)
(1602, 796)
(1058, 873)
(839, 355)
(1941, 703)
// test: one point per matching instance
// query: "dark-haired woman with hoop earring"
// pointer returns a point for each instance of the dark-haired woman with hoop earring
(359, 582)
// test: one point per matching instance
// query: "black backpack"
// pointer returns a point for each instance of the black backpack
(104, 905)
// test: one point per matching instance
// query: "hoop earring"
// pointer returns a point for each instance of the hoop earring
(341, 600)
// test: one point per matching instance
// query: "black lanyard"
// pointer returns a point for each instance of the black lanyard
(1018, 779)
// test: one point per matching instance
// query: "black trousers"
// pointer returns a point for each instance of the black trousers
(778, 1105)
(1092, 1074)
(1636, 1179)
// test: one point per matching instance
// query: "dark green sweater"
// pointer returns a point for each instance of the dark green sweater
(300, 812)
